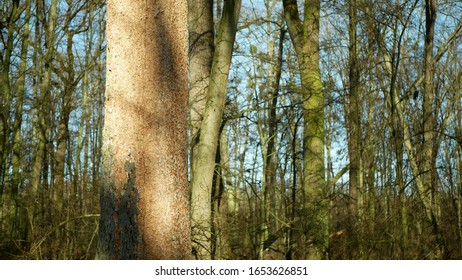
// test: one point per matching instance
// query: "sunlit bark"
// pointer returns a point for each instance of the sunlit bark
(204, 166)
(144, 194)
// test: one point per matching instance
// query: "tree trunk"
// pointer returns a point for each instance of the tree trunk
(305, 38)
(5, 99)
(63, 128)
(399, 181)
(354, 131)
(44, 99)
(204, 166)
(270, 159)
(428, 170)
(201, 48)
(144, 194)
(16, 160)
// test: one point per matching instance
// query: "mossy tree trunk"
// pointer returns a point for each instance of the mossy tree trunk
(204, 161)
(305, 38)
(17, 159)
(201, 51)
(201, 48)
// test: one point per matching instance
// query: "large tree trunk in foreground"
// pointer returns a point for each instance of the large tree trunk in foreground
(144, 195)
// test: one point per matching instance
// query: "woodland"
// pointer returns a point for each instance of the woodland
(257, 129)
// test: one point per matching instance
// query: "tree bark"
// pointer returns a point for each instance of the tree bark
(305, 38)
(5, 100)
(269, 155)
(428, 170)
(202, 173)
(201, 49)
(144, 194)
(44, 98)
(63, 127)
(354, 130)
(16, 160)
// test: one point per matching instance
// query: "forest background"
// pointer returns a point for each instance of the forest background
(339, 134)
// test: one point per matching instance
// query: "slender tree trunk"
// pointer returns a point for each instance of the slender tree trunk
(94, 139)
(204, 166)
(354, 132)
(80, 182)
(63, 128)
(293, 252)
(370, 137)
(354, 125)
(5, 103)
(229, 210)
(16, 161)
(270, 166)
(43, 99)
(305, 38)
(16, 179)
(144, 194)
(428, 170)
(459, 191)
(201, 49)
(458, 133)
(399, 181)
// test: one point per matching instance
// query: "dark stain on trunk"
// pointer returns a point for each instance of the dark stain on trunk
(118, 223)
